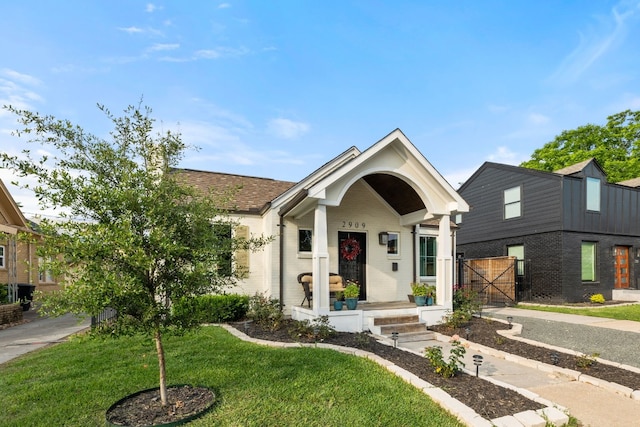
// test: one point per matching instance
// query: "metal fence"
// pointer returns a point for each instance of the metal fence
(106, 315)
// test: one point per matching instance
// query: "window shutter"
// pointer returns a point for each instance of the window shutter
(242, 255)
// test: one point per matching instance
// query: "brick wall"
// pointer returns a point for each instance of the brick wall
(543, 253)
(10, 313)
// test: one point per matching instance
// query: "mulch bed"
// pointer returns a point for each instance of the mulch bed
(145, 408)
(483, 331)
(487, 399)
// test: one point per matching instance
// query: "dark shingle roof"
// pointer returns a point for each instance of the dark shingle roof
(633, 182)
(573, 168)
(254, 194)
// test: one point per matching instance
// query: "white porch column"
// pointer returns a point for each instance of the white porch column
(320, 261)
(444, 279)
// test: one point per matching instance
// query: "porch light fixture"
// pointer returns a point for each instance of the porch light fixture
(477, 360)
(383, 238)
(613, 251)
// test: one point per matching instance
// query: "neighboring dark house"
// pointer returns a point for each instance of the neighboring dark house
(579, 234)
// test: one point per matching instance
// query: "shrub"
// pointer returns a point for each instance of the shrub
(213, 308)
(455, 363)
(465, 304)
(585, 361)
(265, 311)
(597, 299)
(3, 294)
(318, 329)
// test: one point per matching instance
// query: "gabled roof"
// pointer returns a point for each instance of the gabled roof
(589, 166)
(570, 170)
(633, 182)
(256, 195)
(408, 173)
(511, 168)
(253, 194)
(11, 217)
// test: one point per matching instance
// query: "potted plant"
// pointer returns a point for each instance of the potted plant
(351, 293)
(431, 294)
(337, 304)
(419, 291)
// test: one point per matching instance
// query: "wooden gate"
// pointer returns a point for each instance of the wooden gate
(494, 279)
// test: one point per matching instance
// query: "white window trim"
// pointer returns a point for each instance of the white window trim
(434, 234)
(3, 257)
(506, 203)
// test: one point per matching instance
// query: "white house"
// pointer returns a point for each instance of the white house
(380, 217)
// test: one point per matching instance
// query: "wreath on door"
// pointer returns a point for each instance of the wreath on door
(350, 249)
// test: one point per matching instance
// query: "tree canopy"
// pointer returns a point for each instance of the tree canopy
(616, 147)
(135, 236)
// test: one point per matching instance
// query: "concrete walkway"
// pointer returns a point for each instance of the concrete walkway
(594, 403)
(36, 333)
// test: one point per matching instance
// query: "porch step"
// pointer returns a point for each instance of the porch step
(416, 336)
(394, 320)
(402, 328)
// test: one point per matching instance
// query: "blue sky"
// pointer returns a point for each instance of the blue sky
(277, 88)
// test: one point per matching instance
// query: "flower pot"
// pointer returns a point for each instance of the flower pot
(420, 300)
(337, 305)
(429, 300)
(352, 303)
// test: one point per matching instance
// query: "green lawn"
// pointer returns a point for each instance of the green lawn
(624, 312)
(73, 383)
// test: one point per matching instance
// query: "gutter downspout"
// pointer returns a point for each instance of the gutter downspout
(281, 262)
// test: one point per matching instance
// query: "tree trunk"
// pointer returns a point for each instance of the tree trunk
(161, 365)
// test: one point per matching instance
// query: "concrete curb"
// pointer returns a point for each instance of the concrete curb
(552, 413)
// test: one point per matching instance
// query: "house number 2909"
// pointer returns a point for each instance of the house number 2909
(352, 224)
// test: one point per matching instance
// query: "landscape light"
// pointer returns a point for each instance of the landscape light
(477, 360)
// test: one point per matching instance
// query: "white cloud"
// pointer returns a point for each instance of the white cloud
(220, 52)
(224, 6)
(497, 109)
(538, 119)
(150, 8)
(20, 77)
(15, 90)
(131, 30)
(163, 46)
(505, 155)
(287, 129)
(597, 42)
(458, 177)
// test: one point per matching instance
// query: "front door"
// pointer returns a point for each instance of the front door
(622, 267)
(352, 251)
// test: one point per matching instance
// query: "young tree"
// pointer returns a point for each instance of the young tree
(136, 237)
(616, 147)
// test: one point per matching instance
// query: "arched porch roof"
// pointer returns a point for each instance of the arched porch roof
(395, 170)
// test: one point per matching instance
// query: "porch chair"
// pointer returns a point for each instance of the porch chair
(306, 280)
